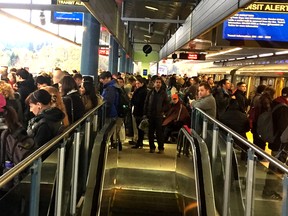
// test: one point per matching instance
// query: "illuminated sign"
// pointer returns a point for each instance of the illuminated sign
(103, 51)
(260, 21)
(192, 56)
(68, 18)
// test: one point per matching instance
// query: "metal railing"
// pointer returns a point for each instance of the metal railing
(34, 161)
(199, 117)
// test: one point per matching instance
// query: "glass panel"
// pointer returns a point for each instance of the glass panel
(185, 177)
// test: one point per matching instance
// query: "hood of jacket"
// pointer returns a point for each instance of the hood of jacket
(52, 114)
(280, 99)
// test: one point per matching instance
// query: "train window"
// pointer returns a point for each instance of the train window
(286, 84)
(270, 82)
(228, 77)
(257, 81)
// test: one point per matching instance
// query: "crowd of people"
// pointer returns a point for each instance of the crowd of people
(46, 104)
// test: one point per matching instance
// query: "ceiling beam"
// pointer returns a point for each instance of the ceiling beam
(60, 8)
(163, 1)
(130, 19)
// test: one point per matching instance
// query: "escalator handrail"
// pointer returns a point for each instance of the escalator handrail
(197, 176)
(257, 150)
(20, 167)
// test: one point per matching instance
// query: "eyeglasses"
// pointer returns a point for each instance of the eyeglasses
(174, 98)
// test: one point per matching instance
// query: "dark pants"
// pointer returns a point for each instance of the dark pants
(171, 127)
(155, 124)
(140, 132)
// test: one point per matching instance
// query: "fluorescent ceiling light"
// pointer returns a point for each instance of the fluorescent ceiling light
(151, 8)
(240, 58)
(232, 59)
(251, 57)
(148, 36)
(282, 52)
(266, 54)
(224, 52)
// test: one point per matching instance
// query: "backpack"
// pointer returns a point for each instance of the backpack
(265, 125)
(15, 146)
(123, 107)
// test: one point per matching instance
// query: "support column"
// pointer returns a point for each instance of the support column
(113, 55)
(90, 45)
(127, 65)
(122, 66)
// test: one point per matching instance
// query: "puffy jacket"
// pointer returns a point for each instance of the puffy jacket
(45, 126)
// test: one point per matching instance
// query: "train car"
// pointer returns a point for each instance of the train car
(274, 75)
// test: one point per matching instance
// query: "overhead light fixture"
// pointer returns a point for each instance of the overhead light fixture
(266, 54)
(224, 52)
(148, 36)
(151, 8)
(232, 59)
(251, 57)
(282, 52)
(240, 58)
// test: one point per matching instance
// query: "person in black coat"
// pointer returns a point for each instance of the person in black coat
(240, 95)
(47, 122)
(156, 104)
(137, 102)
(235, 119)
(74, 106)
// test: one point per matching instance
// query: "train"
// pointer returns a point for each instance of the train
(273, 75)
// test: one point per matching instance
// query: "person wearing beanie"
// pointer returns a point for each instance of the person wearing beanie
(176, 117)
(47, 121)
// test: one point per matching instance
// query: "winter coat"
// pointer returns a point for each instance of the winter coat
(74, 106)
(111, 97)
(222, 101)
(177, 114)
(45, 126)
(280, 122)
(138, 100)
(156, 103)
(242, 100)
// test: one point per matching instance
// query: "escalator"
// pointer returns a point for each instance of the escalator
(136, 182)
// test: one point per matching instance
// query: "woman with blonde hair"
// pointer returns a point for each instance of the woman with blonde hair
(7, 91)
(56, 101)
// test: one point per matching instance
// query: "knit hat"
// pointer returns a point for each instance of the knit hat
(175, 96)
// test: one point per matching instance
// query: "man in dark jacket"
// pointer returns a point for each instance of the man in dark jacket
(156, 103)
(25, 86)
(240, 95)
(111, 96)
(222, 97)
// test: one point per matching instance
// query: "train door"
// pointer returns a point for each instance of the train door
(268, 81)
(279, 84)
(286, 82)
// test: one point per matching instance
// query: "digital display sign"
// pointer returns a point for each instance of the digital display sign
(192, 56)
(68, 18)
(259, 21)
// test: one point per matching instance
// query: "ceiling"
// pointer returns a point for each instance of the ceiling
(167, 19)
(153, 26)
